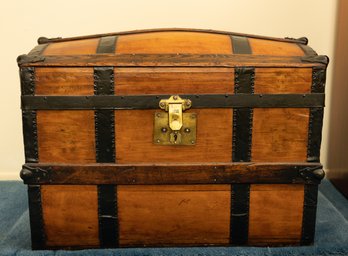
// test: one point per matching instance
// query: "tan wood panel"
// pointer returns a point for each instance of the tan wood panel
(70, 215)
(283, 80)
(173, 80)
(64, 81)
(134, 138)
(177, 214)
(174, 42)
(66, 136)
(280, 134)
(275, 213)
(268, 47)
(87, 46)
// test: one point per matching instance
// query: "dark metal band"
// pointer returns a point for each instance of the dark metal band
(162, 174)
(36, 220)
(240, 45)
(308, 51)
(318, 79)
(104, 119)
(27, 76)
(107, 216)
(38, 50)
(30, 136)
(314, 134)
(107, 44)
(151, 101)
(243, 117)
(309, 213)
(239, 228)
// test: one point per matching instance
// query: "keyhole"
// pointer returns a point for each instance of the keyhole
(175, 138)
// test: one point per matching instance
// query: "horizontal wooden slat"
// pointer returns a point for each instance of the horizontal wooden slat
(169, 60)
(200, 173)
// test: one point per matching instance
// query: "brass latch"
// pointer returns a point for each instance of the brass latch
(176, 127)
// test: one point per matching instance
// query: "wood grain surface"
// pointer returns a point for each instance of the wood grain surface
(275, 214)
(134, 138)
(64, 81)
(280, 134)
(88, 46)
(174, 42)
(70, 215)
(172, 215)
(173, 80)
(66, 136)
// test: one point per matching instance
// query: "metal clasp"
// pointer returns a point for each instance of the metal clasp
(176, 128)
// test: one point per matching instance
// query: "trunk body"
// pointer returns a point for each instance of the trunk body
(105, 167)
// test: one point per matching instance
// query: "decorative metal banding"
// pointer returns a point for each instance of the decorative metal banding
(104, 119)
(314, 134)
(309, 214)
(27, 76)
(240, 45)
(243, 117)
(30, 136)
(107, 216)
(318, 79)
(151, 101)
(308, 51)
(240, 197)
(38, 50)
(107, 44)
(36, 220)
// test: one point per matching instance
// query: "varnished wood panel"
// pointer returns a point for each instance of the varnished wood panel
(178, 214)
(70, 215)
(268, 47)
(174, 42)
(280, 134)
(134, 138)
(87, 46)
(64, 81)
(275, 213)
(283, 80)
(66, 136)
(173, 80)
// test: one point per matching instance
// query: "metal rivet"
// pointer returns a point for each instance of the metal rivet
(164, 130)
(304, 95)
(193, 116)
(175, 97)
(158, 115)
(187, 130)
(260, 95)
(192, 142)
(162, 105)
(158, 141)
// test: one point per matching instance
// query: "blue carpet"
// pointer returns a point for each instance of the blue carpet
(331, 232)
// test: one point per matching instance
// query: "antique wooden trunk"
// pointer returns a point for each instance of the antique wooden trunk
(172, 137)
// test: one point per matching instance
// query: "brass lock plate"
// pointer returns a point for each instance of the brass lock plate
(164, 135)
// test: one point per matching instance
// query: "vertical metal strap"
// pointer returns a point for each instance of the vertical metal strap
(104, 119)
(36, 219)
(239, 226)
(107, 215)
(240, 45)
(242, 117)
(316, 116)
(107, 44)
(309, 213)
(27, 76)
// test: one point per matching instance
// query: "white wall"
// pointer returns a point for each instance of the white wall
(22, 22)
